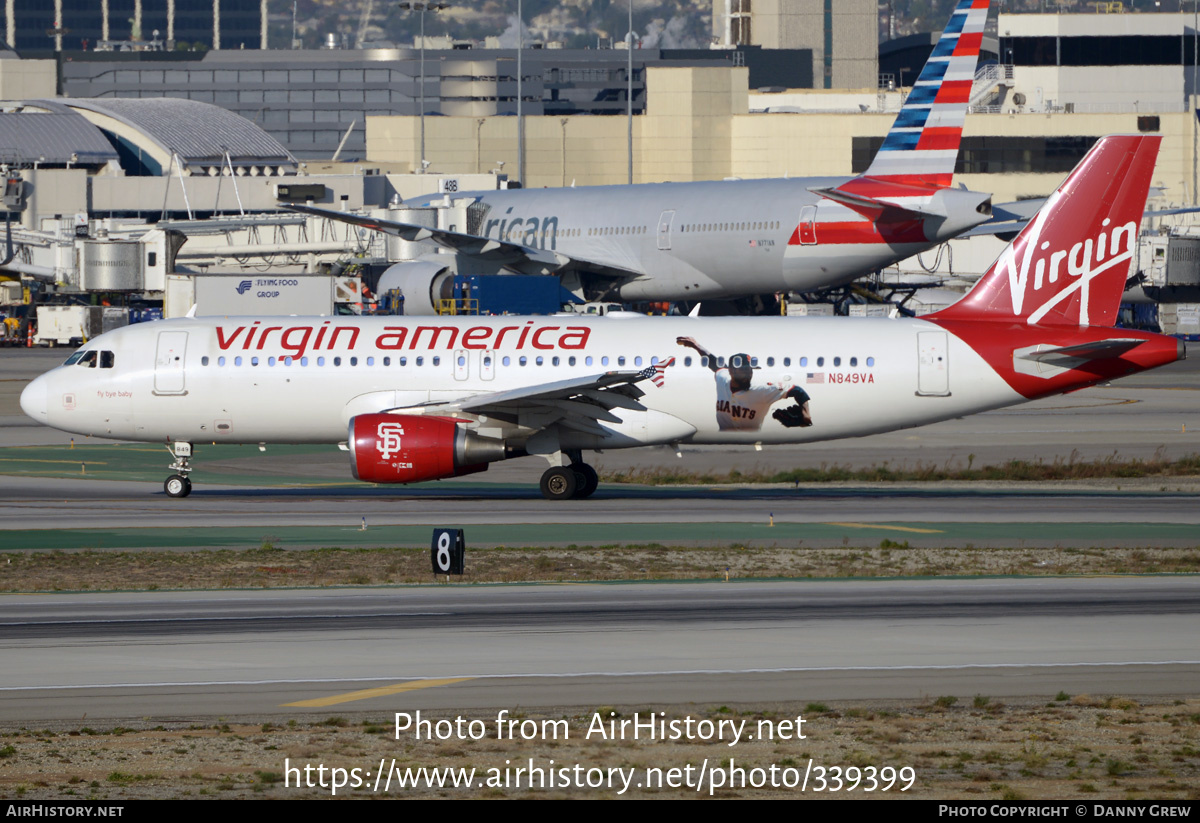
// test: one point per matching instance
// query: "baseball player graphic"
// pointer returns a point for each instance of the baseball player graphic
(742, 402)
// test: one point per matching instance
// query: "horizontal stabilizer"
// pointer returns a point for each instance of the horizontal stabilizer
(873, 208)
(1011, 217)
(1098, 350)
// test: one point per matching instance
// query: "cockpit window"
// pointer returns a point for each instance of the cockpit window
(106, 360)
(87, 359)
(74, 358)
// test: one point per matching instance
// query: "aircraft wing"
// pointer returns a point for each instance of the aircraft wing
(579, 403)
(515, 255)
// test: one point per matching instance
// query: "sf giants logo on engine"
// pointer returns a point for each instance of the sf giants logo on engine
(1085, 260)
(388, 435)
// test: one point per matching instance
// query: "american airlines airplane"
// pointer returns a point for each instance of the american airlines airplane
(416, 399)
(720, 239)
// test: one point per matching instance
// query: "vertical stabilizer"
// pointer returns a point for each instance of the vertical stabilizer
(922, 147)
(1069, 265)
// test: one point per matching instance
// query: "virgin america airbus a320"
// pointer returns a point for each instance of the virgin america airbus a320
(416, 399)
(721, 239)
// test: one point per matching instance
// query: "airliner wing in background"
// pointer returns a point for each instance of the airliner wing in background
(515, 256)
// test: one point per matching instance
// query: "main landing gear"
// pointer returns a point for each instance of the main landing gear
(178, 485)
(577, 480)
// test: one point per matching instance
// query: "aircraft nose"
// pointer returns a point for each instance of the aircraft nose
(33, 399)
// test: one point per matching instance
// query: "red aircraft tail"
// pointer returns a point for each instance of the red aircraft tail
(1069, 265)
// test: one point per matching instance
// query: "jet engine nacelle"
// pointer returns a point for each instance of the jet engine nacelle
(422, 282)
(399, 448)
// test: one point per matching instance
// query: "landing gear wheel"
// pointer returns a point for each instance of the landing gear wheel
(586, 480)
(559, 483)
(177, 486)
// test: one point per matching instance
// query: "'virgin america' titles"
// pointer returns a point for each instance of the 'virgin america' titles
(297, 340)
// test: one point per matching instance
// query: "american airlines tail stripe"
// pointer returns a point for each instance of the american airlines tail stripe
(940, 138)
(947, 46)
(911, 119)
(921, 95)
(900, 141)
(961, 67)
(934, 71)
(913, 162)
(946, 116)
(955, 91)
(968, 44)
(939, 180)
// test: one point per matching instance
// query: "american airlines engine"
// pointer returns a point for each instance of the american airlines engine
(421, 399)
(718, 239)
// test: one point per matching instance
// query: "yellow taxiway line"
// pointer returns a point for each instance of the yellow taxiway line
(886, 528)
(380, 691)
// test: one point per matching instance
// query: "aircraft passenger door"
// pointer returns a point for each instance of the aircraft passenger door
(462, 364)
(808, 225)
(664, 229)
(487, 364)
(933, 364)
(168, 362)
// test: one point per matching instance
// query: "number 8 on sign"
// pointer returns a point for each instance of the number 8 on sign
(448, 551)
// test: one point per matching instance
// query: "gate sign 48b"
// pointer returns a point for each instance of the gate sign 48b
(448, 552)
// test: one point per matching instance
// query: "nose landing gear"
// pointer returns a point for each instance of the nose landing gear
(178, 485)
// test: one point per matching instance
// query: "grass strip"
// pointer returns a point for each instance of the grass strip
(269, 566)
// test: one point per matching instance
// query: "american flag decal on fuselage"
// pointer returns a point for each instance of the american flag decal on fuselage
(657, 372)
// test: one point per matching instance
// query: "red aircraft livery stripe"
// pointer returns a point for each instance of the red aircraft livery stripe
(860, 232)
(940, 137)
(968, 44)
(954, 91)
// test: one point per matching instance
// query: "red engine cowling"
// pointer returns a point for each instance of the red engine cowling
(398, 448)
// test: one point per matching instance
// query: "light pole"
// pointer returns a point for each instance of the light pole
(520, 116)
(629, 92)
(422, 7)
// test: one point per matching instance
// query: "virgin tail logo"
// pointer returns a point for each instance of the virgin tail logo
(1079, 265)
(1070, 264)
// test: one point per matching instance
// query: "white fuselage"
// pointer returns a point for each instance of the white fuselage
(301, 379)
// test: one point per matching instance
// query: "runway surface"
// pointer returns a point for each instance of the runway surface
(45, 513)
(206, 654)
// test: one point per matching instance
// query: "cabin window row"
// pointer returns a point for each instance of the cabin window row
(737, 361)
(436, 360)
(750, 226)
(607, 231)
